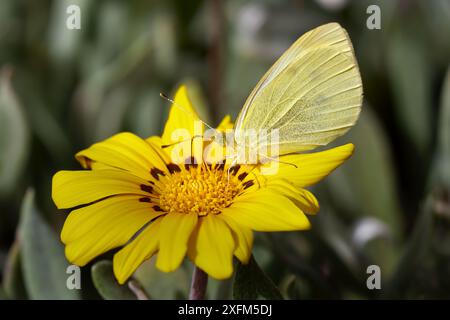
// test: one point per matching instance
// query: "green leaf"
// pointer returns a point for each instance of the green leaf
(3, 295)
(372, 200)
(353, 186)
(292, 287)
(437, 27)
(223, 289)
(444, 118)
(426, 239)
(106, 283)
(43, 262)
(14, 135)
(13, 283)
(441, 170)
(251, 281)
(161, 285)
(43, 124)
(98, 81)
(334, 243)
(165, 52)
(112, 113)
(145, 116)
(64, 43)
(414, 252)
(410, 76)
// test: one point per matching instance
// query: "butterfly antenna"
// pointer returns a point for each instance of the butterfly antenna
(162, 95)
(279, 161)
(256, 177)
(181, 141)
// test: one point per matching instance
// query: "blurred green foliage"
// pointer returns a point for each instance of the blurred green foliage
(61, 90)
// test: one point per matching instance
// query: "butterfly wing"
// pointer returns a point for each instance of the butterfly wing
(312, 94)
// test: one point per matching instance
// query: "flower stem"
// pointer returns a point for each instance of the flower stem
(198, 284)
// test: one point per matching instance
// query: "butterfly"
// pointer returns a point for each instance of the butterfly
(309, 97)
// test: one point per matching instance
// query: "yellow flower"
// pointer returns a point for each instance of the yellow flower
(136, 198)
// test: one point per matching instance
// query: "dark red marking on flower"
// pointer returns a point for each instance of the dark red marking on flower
(248, 184)
(158, 208)
(173, 168)
(220, 166)
(242, 176)
(145, 199)
(190, 162)
(146, 188)
(88, 163)
(155, 172)
(235, 169)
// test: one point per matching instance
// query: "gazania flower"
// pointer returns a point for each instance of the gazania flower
(134, 195)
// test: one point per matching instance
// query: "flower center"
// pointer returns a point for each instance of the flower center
(201, 190)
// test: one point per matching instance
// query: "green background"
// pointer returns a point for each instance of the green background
(61, 90)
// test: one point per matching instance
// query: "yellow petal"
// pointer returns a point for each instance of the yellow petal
(304, 199)
(243, 237)
(307, 202)
(128, 259)
(183, 125)
(157, 144)
(264, 210)
(312, 167)
(100, 217)
(225, 124)
(93, 230)
(211, 247)
(124, 151)
(74, 188)
(174, 233)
